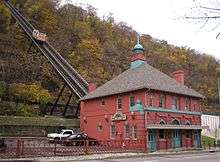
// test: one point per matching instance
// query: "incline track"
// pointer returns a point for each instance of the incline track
(70, 76)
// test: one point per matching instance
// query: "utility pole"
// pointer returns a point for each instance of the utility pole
(218, 91)
(218, 124)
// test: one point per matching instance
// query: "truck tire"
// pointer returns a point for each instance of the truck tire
(56, 140)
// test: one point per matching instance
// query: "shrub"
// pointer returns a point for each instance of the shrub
(31, 92)
(7, 109)
(11, 109)
(206, 141)
(2, 88)
(27, 111)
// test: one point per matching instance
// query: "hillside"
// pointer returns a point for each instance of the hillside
(98, 48)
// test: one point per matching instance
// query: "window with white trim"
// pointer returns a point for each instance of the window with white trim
(175, 102)
(131, 100)
(112, 131)
(134, 132)
(187, 122)
(100, 128)
(187, 103)
(161, 101)
(126, 131)
(162, 122)
(118, 103)
(151, 101)
(102, 102)
(175, 122)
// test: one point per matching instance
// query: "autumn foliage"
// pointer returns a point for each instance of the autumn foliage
(98, 48)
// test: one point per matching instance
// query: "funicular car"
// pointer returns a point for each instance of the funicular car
(42, 37)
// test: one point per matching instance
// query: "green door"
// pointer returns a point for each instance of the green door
(196, 139)
(175, 139)
(152, 140)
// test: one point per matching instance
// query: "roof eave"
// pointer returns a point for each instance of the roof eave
(140, 88)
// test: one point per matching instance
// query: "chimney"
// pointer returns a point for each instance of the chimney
(178, 76)
(91, 87)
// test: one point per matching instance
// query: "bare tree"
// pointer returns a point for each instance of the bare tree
(206, 13)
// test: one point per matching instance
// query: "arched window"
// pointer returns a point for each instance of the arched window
(134, 132)
(126, 130)
(162, 122)
(187, 122)
(112, 131)
(175, 122)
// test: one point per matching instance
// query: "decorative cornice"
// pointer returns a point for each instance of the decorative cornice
(138, 56)
(168, 126)
(172, 111)
(118, 116)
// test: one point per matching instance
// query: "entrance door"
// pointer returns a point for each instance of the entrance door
(196, 139)
(152, 140)
(175, 139)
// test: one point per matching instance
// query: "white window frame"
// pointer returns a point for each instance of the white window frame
(151, 98)
(134, 132)
(102, 101)
(100, 128)
(112, 136)
(176, 106)
(187, 106)
(131, 95)
(126, 130)
(117, 103)
(163, 100)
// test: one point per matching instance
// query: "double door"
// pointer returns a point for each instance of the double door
(152, 140)
(197, 139)
(176, 139)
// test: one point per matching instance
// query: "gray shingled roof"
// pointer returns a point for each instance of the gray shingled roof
(142, 77)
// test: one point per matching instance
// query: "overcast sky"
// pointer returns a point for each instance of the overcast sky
(160, 19)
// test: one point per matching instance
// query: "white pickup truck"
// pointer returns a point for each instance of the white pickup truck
(59, 136)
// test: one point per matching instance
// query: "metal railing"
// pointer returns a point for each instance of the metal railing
(35, 147)
(43, 147)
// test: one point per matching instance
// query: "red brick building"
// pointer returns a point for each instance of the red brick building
(144, 103)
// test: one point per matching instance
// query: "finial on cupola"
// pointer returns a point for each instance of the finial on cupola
(137, 58)
(138, 39)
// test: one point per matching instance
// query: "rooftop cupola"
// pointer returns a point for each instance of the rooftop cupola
(137, 58)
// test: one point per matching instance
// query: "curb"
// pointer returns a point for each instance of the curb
(113, 156)
(156, 154)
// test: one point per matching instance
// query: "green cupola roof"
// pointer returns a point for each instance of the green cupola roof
(138, 47)
(137, 58)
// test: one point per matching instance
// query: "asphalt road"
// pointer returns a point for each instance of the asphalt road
(205, 157)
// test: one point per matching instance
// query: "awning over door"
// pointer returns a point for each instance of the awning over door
(169, 126)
